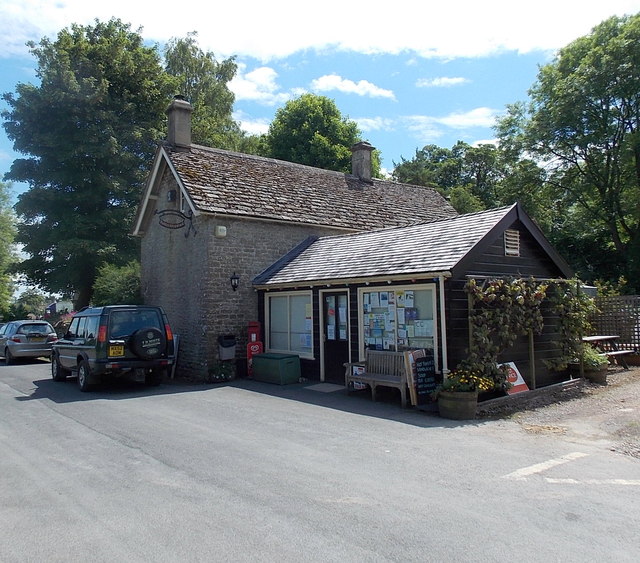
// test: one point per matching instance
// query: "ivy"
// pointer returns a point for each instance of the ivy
(574, 308)
(502, 310)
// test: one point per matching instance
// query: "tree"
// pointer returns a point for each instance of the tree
(431, 166)
(474, 172)
(204, 82)
(463, 201)
(89, 130)
(30, 303)
(310, 130)
(7, 254)
(583, 122)
(118, 285)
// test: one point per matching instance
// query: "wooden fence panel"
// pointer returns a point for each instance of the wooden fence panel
(619, 315)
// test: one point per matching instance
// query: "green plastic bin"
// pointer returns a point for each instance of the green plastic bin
(276, 368)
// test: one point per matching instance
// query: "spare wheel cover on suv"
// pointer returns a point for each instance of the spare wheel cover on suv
(148, 343)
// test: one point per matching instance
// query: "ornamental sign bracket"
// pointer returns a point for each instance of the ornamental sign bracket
(174, 219)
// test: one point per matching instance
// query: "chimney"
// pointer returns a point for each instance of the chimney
(179, 113)
(361, 160)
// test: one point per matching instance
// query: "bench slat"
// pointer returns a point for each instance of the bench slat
(381, 368)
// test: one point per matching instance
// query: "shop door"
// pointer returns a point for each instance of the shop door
(335, 336)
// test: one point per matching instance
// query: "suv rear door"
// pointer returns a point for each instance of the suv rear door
(123, 326)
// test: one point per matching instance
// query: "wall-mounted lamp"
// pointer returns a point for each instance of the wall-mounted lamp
(235, 280)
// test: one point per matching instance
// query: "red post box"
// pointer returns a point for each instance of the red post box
(255, 332)
(254, 346)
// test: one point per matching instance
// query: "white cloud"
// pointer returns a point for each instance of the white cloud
(466, 28)
(478, 117)
(423, 127)
(251, 125)
(259, 85)
(374, 123)
(479, 142)
(441, 82)
(429, 129)
(330, 82)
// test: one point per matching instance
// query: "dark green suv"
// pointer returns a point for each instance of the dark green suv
(133, 341)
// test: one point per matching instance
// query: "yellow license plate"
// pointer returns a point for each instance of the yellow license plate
(116, 350)
(37, 339)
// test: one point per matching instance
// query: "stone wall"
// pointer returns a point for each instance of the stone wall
(189, 276)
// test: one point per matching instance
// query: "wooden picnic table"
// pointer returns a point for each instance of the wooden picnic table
(608, 346)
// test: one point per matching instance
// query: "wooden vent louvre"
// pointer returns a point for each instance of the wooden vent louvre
(512, 242)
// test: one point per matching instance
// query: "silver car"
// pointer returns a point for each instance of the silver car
(26, 339)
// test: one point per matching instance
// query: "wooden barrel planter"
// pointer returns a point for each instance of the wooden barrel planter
(458, 405)
(597, 375)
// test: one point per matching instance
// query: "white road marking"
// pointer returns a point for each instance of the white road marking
(629, 482)
(522, 474)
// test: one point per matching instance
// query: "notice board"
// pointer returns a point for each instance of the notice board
(421, 375)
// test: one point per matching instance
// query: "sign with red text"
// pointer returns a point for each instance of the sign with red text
(253, 348)
(515, 378)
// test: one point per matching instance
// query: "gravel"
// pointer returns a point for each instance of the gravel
(581, 410)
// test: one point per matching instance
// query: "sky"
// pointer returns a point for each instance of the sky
(409, 72)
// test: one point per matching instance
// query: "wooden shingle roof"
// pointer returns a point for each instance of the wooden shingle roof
(427, 249)
(228, 183)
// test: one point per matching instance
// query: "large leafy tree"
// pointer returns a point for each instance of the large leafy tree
(204, 82)
(468, 174)
(88, 132)
(118, 285)
(583, 122)
(311, 130)
(7, 254)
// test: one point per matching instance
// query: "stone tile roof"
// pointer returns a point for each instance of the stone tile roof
(428, 248)
(230, 183)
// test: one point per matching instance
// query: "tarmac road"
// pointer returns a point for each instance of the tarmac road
(250, 471)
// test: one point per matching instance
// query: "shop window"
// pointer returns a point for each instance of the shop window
(290, 323)
(399, 319)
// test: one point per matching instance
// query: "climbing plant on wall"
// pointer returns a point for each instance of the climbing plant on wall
(573, 308)
(500, 311)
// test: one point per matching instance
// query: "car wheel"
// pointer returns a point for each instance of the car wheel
(8, 357)
(84, 373)
(58, 373)
(148, 343)
(154, 378)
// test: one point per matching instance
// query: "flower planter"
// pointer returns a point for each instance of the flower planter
(458, 405)
(598, 375)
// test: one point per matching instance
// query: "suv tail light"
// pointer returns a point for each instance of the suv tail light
(102, 333)
(167, 330)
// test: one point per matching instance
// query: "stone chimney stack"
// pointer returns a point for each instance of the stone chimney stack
(361, 160)
(179, 113)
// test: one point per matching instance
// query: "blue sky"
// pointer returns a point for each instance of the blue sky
(410, 73)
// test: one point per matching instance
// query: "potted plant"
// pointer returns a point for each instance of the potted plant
(594, 364)
(221, 371)
(457, 395)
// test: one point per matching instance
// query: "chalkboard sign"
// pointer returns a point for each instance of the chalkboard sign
(425, 378)
(421, 375)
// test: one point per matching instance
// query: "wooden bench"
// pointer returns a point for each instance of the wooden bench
(381, 368)
(607, 345)
(617, 356)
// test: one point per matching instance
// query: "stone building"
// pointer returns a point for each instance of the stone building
(208, 215)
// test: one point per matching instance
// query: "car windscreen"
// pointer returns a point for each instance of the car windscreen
(40, 328)
(125, 323)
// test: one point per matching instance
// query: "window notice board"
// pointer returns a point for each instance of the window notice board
(421, 375)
